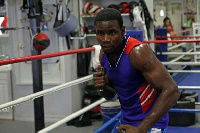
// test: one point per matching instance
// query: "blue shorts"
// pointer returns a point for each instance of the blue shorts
(152, 130)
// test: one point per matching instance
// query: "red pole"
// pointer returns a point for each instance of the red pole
(43, 56)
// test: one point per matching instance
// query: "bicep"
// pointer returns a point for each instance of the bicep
(156, 74)
(143, 59)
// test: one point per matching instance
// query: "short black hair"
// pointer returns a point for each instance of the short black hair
(109, 14)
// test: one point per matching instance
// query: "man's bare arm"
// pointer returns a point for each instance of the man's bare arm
(143, 59)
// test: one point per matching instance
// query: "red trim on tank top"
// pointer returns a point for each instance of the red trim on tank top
(142, 88)
(147, 95)
(149, 101)
(131, 42)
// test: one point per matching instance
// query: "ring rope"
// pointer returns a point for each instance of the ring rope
(181, 56)
(172, 41)
(104, 126)
(186, 36)
(185, 110)
(176, 46)
(43, 56)
(197, 103)
(182, 63)
(189, 87)
(178, 53)
(43, 93)
(48, 55)
(184, 71)
(108, 123)
(72, 116)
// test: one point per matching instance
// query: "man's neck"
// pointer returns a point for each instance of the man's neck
(112, 57)
(118, 50)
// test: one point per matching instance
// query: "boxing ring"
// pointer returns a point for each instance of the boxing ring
(187, 78)
(184, 83)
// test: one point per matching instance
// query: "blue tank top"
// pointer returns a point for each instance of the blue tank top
(136, 96)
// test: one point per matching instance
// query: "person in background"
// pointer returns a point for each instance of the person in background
(168, 24)
(145, 89)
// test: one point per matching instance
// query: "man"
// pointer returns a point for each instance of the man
(145, 89)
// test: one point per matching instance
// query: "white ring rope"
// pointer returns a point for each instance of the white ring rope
(176, 46)
(178, 53)
(76, 114)
(184, 71)
(189, 87)
(182, 63)
(44, 92)
(181, 56)
(72, 116)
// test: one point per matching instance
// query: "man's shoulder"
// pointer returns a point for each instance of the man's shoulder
(130, 44)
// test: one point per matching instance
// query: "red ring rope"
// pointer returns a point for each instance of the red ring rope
(172, 41)
(186, 36)
(43, 56)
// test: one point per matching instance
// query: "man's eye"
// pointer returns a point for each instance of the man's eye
(112, 32)
(100, 33)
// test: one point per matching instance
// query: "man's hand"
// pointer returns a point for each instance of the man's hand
(99, 78)
(101, 82)
(130, 129)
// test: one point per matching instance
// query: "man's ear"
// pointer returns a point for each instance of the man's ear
(123, 30)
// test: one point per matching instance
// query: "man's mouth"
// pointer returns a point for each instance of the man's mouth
(107, 46)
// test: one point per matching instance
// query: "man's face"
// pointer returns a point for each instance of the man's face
(109, 35)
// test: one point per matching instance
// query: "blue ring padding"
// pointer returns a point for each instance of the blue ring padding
(185, 110)
(119, 114)
(108, 123)
(178, 77)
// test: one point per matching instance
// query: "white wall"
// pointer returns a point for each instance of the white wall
(158, 6)
(57, 105)
(176, 15)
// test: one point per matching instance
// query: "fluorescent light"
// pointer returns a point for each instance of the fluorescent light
(162, 13)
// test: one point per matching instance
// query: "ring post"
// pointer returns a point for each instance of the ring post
(137, 34)
(159, 47)
(34, 15)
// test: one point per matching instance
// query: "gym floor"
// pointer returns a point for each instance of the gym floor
(28, 127)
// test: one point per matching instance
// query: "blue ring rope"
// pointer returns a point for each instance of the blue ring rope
(185, 110)
(108, 123)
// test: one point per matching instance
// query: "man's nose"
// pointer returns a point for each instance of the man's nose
(106, 38)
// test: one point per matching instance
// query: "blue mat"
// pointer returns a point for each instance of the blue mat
(192, 79)
(188, 79)
(183, 130)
